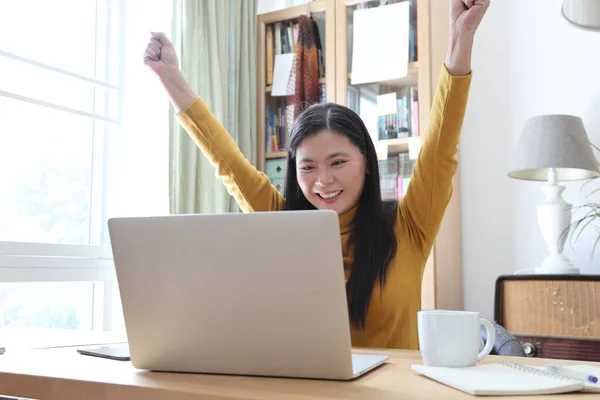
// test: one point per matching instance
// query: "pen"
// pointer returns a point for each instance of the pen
(571, 373)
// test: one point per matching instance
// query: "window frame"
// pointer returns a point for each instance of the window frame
(47, 262)
(50, 262)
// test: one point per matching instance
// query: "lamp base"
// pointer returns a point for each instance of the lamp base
(554, 219)
(557, 264)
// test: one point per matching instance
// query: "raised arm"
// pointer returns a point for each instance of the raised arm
(422, 209)
(251, 189)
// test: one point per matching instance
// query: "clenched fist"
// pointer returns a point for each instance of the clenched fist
(466, 15)
(160, 54)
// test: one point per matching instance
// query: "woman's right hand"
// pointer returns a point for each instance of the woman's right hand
(160, 55)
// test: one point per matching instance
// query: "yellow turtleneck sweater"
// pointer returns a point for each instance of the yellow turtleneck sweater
(392, 316)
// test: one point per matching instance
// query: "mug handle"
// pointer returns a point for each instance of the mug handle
(491, 339)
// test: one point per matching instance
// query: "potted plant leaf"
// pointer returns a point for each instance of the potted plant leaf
(591, 214)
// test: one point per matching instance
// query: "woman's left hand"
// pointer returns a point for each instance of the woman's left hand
(466, 15)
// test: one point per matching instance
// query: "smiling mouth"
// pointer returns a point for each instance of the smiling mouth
(330, 196)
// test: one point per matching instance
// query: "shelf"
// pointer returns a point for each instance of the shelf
(316, 6)
(399, 145)
(269, 87)
(443, 268)
(411, 79)
(350, 3)
(277, 154)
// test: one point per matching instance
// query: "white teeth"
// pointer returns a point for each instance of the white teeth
(330, 195)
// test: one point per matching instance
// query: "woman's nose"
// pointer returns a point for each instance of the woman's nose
(325, 177)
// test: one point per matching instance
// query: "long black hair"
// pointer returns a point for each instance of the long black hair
(373, 233)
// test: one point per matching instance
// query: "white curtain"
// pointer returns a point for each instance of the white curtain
(216, 44)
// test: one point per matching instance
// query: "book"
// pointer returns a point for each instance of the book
(510, 379)
(404, 121)
(270, 59)
(414, 41)
(291, 38)
(277, 38)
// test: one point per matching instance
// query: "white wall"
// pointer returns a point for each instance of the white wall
(142, 165)
(527, 61)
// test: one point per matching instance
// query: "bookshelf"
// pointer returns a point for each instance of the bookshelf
(442, 281)
(323, 12)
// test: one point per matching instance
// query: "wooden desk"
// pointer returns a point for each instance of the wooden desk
(52, 374)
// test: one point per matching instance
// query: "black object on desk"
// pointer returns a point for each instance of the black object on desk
(112, 353)
(505, 343)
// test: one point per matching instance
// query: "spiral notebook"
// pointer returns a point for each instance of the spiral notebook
(509, 379)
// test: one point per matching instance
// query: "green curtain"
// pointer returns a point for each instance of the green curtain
(216, 44)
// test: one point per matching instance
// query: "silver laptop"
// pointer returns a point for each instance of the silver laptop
(244, 294)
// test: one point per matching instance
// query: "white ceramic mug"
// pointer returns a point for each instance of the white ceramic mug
(452, 338)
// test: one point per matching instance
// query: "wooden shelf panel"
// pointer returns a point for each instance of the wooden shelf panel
(270, 87)
(399, 145)
(411, 79)
(316, 6)
(350, 3)
(277, 154)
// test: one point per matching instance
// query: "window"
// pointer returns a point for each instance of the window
(70, 102)
(56, 305)
(53, 286)
(58, 108)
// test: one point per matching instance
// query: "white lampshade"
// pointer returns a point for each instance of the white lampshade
(557, 142)
(583, 13)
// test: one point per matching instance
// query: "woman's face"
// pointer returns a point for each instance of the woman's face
(331, 171)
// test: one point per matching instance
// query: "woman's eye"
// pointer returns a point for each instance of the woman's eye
(338, 162)
(306, 168)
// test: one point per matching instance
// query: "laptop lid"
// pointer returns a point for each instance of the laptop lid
(254, 294)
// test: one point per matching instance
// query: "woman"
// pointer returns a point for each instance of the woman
(332, 164)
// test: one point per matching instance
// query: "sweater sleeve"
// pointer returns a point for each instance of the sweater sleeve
(430, 188)
(251, 188)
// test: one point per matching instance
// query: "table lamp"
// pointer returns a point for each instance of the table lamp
(582, 13)
(554, 148)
